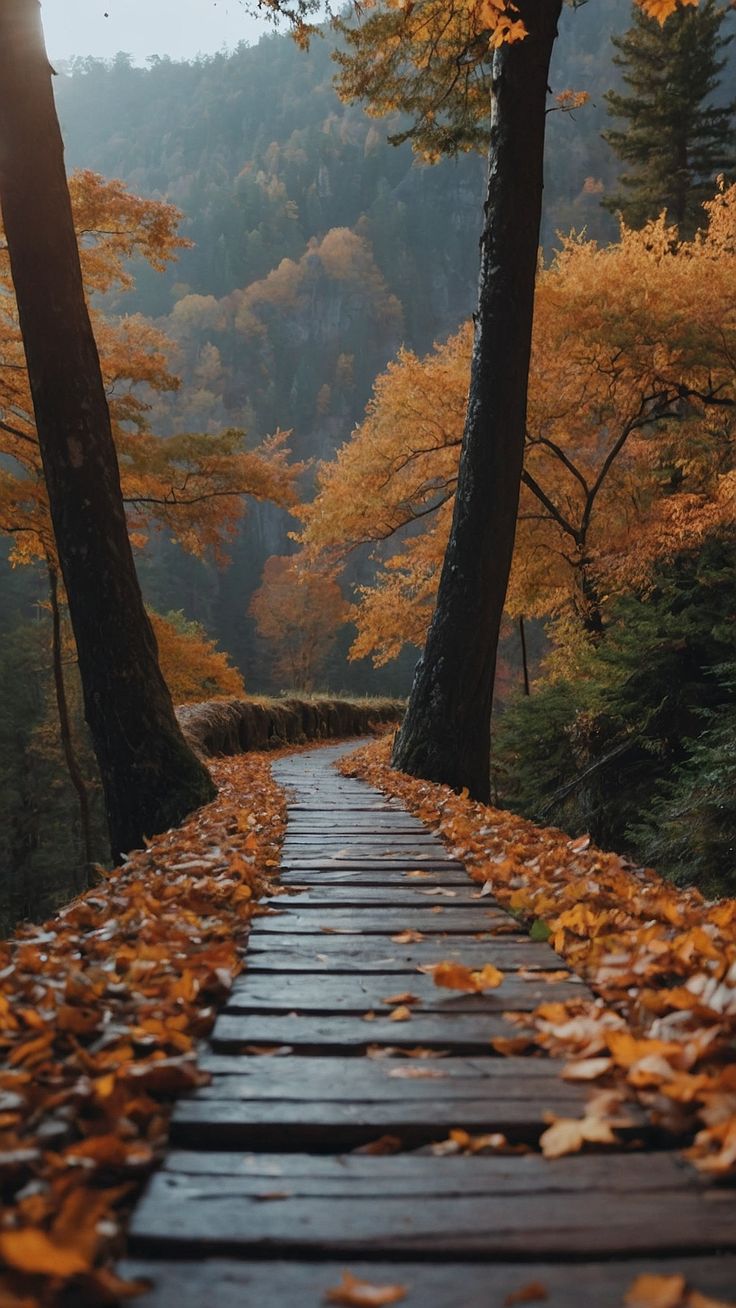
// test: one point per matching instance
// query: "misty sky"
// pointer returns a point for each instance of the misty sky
(180, 28)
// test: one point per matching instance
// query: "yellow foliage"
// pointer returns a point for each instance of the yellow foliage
(630, 437)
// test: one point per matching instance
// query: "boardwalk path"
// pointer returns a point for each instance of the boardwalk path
(262, 1201)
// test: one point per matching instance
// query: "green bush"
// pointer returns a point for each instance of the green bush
(623, 752)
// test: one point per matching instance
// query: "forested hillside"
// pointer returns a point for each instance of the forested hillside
(267, 166)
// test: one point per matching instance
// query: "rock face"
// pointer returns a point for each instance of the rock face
(233, 726)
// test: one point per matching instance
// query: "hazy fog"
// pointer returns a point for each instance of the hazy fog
(180, 28)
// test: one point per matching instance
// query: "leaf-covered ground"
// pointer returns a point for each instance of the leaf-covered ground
(101, 1009)
(661, 960)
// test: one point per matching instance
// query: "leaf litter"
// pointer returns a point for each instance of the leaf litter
(101, 1010)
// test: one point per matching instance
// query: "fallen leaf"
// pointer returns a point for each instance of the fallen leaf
(380, 1148)
(400, 1014)
(567, 1135)
(31, 1250)
(455, 976)
(405, 997)
(586, 1069)
(655, 1292)
(408, 938)
(697, 1300)
(532, 1292)
(354, 1293)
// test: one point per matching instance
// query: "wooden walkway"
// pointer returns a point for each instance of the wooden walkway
(264, 1199)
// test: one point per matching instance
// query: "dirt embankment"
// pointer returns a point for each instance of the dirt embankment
(234, 726)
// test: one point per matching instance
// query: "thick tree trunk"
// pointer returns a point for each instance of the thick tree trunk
(150, 777)
(446, 732)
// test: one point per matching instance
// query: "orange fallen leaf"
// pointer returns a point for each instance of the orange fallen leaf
(655, 1292)
(31, 1250)
(532, 1292)
(354, 1293)
(408, 937)
(567, 1135)
(697, 1300)
(586, 1069)
(405, 997)
(400, 1014)
(455, 976)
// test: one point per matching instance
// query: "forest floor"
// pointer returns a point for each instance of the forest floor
(495, 1083)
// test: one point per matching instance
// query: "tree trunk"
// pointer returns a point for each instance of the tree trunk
(446, 733)
(65, 730)
(150, 777)
(524, 659)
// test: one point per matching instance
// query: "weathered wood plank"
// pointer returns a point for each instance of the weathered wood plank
(331, 954)
(350, 1035)
(227, 1284)
(404, 897)
(394, 878)
(189, 1216)
(220, 1123)
(353, 1081)
(358, 994)
(286, 917)
(415, 1175)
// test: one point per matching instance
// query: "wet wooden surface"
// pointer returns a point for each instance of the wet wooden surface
(262, 1198)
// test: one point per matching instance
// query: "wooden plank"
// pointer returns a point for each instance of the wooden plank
(350, 1035)
(332, 835)
(219, 1123)
(357, 994)
(357, 858)
(372, 876)
(415, 1175)
(182, 1214)
(405, 896)
(351, 1080)
(230, 1284)
(365, 921)
(333, 954)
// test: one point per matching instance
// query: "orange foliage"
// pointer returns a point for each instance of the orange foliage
(662, 960)
(630, 435)
(102, 1010)
(191, 485)
(193, 667)
(298, 612)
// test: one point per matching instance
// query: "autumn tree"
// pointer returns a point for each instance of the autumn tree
(150, 776)
(298, 612)
(452, 69)
(629, 437)
(190, 485)
(673, 137)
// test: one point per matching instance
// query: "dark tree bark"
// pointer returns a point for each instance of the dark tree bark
(524, 659)
(150, 776)
(65, 729)
(446, 732)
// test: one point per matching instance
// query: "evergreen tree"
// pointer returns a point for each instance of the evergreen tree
(674, 139)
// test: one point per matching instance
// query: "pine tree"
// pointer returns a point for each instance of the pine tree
(674, 138)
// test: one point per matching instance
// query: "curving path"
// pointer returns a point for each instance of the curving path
(275, 1182)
